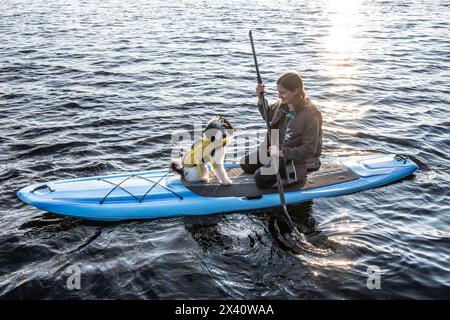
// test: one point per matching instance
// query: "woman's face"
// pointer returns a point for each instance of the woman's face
(286, 96)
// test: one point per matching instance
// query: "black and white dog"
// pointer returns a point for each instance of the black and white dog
(210, 149)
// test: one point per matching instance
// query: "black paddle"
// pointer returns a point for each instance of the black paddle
(265, 108)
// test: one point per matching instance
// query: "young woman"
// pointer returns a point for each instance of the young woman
(299, 124)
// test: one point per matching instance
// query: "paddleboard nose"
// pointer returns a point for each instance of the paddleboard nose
(21, 194)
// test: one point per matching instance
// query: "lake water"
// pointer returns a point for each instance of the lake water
(89, 88)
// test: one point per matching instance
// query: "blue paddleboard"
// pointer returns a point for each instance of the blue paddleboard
(161, 193)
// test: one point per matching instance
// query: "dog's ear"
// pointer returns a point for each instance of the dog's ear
(227, 124)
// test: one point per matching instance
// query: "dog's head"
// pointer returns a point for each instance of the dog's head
(218, 128)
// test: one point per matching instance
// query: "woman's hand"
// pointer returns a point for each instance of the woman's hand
(275, 151)
(260, 89)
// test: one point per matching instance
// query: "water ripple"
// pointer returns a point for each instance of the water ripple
(96, 88)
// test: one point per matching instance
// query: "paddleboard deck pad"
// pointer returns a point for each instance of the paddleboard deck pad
(244, 185)
(161, 193)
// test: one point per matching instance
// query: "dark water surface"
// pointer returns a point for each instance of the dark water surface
(89, 88)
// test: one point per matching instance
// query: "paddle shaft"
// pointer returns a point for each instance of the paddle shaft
(273, 158)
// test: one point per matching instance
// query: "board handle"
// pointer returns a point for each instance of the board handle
(44, 186)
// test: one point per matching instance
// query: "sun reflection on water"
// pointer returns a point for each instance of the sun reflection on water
(341, 45)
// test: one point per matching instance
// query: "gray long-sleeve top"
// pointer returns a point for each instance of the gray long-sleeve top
(300, 137)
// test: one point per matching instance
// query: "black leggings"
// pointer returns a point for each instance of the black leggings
(265, 181)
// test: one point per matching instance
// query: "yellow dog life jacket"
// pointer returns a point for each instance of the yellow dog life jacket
(201, 150)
